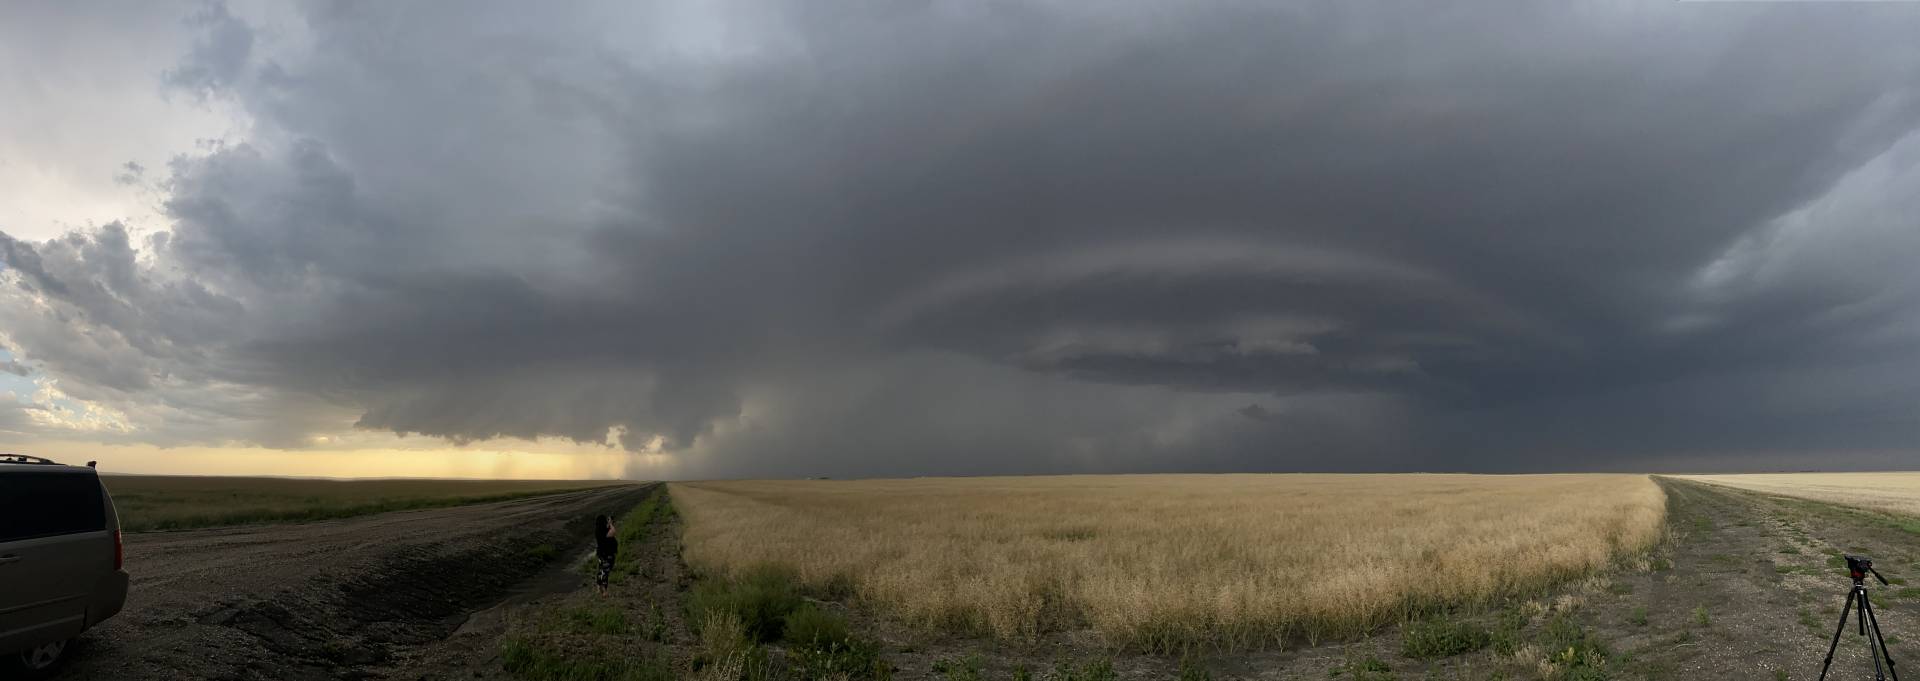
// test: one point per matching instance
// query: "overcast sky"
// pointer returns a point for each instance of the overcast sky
(710, 238)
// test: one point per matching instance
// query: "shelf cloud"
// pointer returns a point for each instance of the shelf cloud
(987, 237)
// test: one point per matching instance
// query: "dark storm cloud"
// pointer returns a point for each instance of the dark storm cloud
(981, 237)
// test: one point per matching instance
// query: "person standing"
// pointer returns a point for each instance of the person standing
(606, 546)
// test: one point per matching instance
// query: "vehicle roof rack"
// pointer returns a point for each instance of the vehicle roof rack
(22, 458)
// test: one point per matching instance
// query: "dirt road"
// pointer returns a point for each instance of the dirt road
(1751, 588)
(327, 600)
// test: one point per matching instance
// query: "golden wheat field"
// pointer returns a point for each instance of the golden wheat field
(1158, 562)
(1890, 492)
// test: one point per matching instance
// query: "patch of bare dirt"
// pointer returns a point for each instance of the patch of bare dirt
(326, 600)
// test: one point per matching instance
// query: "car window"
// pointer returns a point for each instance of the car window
(39, 504)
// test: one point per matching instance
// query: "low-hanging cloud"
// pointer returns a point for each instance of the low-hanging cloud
(993, 237)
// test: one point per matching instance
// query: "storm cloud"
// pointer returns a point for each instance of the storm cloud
(1024, 237)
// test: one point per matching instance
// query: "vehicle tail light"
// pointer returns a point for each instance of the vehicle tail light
(119, 552)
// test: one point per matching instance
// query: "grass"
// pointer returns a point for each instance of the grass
(587, 638)
(967, 668)
(1097, 669)
(599, 619)
(1161, 563)
(178, 502)
(1897, 493)
(632, 533)
(1189, 671)
(1574, 653)
(1363, 668)
(1807, 620)
(821, 647)
(537, 663)
(1442, 637)
(738, 614)
(760, 599)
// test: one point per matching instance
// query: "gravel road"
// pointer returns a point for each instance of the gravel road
(327, 600)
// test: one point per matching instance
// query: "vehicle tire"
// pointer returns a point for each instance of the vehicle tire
(37, 663)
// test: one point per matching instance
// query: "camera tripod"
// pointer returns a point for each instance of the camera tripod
(1860, 567)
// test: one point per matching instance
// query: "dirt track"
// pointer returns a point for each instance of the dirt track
(327, 600)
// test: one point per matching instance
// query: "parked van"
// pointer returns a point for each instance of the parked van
(60, 560)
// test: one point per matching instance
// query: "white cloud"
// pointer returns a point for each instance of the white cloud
(92, 77)
(58, 412)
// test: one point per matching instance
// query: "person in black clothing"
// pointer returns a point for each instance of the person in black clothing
(606, 546)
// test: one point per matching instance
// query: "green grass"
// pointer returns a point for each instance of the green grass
(586, 640)
(632, 533)
(1192, 671)
(761, 597)
(821, 647)
(763, 605)
(1441, 637)
(536, 662)
(968, 668)
(1574, 649)
(1506, 631)
(1097, 669)
(149, 503)
(1367, 668)
(1807, 620)
(599, 619)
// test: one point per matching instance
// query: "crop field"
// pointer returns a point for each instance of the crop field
(1897, 492)
(180, 502)
(1160, 562)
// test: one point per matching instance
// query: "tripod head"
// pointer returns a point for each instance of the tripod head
(1861, 566)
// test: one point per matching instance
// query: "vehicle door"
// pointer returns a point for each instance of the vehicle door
(52, 534)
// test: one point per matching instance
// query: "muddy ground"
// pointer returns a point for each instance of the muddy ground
(327, 600)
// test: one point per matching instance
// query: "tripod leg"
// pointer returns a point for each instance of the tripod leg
(1867, 607)
(1824, 666)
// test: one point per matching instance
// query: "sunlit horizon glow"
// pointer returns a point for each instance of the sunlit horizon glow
(408, 458)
